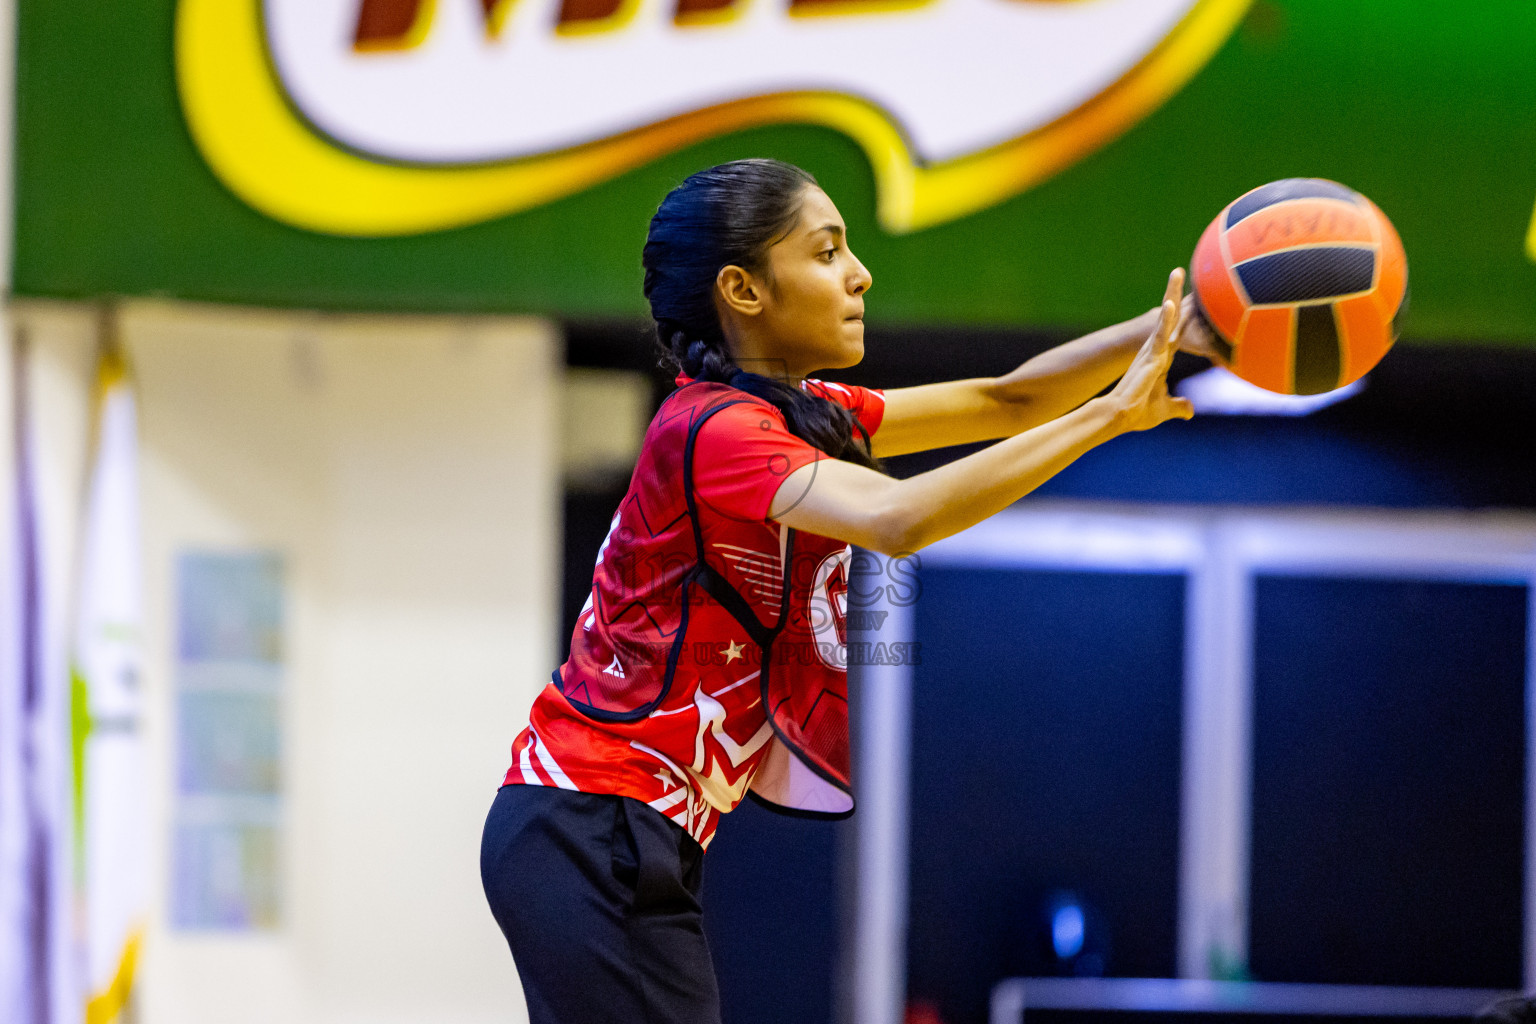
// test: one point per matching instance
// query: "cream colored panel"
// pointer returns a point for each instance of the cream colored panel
(407, 470)
(606, 415)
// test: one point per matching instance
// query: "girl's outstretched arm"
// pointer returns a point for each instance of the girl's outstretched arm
(839, 499)
(1050, 384)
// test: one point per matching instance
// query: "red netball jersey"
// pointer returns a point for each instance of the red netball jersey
(710, 657)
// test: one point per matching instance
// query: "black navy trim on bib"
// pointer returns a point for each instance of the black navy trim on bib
(716, 585)
(739, 609)
(701, 572)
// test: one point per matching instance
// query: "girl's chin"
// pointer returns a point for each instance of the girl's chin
(851, 349)
(848, 352)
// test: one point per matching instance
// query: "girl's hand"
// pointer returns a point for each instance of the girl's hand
(1194, 334)
(1141, 400)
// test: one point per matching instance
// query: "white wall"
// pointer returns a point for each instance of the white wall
(407, 470)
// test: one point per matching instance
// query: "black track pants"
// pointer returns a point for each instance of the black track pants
(598, 896)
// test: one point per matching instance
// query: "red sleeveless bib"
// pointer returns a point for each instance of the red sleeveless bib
(712, 650)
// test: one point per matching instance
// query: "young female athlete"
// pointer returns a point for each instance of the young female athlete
(709, 657)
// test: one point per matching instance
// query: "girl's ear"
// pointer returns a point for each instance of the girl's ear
(739, 291)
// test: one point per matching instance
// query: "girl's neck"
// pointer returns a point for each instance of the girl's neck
(748, 357)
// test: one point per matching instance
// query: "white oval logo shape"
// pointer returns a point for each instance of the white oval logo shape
(956, 76)
(380, 117)
(827, 611)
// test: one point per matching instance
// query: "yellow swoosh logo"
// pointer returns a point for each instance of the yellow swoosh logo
(241, 120)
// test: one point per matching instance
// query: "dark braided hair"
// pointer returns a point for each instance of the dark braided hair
(723, 216)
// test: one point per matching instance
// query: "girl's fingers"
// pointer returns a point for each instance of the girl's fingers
(1157, 351)
(1175, 291)
(1167, 328)
(1146, 382)
(1173, 302)
(1157, 354)
(1167, 318)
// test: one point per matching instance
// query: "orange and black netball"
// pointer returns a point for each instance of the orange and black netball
(1302, 280)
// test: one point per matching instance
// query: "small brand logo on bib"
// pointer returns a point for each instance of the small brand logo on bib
(828, 610)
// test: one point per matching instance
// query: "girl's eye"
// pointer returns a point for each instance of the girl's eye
(827, 254)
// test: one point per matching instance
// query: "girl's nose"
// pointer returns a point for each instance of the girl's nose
(861, 280)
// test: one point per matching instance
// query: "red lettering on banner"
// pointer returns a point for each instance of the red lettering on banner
(402, 24)
(576, 15)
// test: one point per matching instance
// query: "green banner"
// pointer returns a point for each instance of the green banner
(147, 166)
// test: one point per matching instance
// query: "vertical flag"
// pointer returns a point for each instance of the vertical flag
(13, 629)
(31, 939)
(111, 821)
